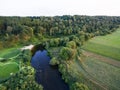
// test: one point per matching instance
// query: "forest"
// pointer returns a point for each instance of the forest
(64, 38)
(23, 30)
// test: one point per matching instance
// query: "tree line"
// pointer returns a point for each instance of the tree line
(20, 30)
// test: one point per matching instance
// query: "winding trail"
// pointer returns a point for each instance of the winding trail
(102, 58)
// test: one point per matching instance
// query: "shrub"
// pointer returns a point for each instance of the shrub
(78, 86)
(65, 53)
(71, 44)
(54, 61)
(23, 80)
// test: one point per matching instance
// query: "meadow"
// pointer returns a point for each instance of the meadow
(108, 45)
(104, 73)
(95, 73)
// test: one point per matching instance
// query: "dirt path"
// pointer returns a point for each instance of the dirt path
(27, 47)
(102, 58)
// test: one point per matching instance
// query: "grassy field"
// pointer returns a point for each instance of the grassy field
(8, 53)
(108, 45)
(7, 68)
(104, 73)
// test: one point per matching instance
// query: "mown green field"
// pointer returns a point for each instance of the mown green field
(8, 53)
(7, 64)
(7, 68)
(108, 45)
(104, 73)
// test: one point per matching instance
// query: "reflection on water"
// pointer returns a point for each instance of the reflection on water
(46, 75)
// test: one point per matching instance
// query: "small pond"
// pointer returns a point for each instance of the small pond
(48, 76)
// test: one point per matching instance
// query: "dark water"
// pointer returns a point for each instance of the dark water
(47, 75)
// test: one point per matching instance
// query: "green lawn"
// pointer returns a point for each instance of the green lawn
(7, 68)
(8, 53)
(108, 45)
(9, 65)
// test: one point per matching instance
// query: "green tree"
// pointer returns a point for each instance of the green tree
(23, 80)
(54, 61)
(66, 53)
(78, 86)
(71, 44)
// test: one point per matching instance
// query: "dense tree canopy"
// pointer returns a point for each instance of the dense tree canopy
(26, 29)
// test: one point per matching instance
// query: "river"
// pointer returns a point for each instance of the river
(48, 76)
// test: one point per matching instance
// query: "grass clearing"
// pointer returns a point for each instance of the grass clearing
(8, 53)
(7, 68)
(108, 45)
(8, 65)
